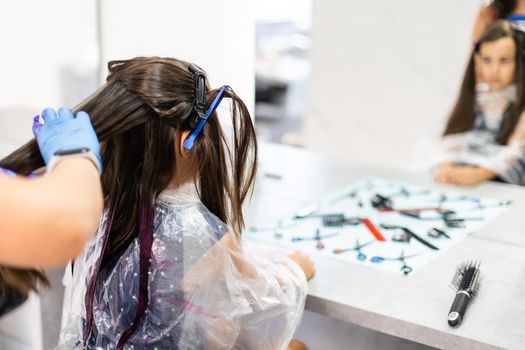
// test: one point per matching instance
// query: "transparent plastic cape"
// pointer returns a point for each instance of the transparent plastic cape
(478, 148)
(205, 290)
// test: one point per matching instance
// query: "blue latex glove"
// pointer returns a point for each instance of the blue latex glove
(62, 132)
(7, 172)
(11, 173)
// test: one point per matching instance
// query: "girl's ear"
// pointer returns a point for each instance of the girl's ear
(183, 151)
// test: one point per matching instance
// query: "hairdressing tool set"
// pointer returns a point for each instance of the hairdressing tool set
(447, 216)
(307, 212)
(481, 206)
(405, 192)
(406, 234)
(354, 194)
(382, 202)
(356, 248)
(444, 198)
(405, 268)
(339, 220)
(317, 238)
(374, 221)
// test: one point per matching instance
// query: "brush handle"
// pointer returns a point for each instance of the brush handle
(459, 306)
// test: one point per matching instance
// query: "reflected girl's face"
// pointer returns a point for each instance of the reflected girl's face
(496, 63)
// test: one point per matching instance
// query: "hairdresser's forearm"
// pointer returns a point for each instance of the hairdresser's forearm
(47, 221)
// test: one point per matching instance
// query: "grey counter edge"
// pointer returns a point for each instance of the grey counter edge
(393, 326)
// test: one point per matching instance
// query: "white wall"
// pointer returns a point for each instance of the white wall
(384, 75)
(216, 35)
(44, 45)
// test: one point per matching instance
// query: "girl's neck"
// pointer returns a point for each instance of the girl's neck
(186, 165)
(184, 173)
(179, 180)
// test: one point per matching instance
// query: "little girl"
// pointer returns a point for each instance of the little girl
(164, 271)
(484, 138)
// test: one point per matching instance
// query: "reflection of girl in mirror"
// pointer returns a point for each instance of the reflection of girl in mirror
(513, 10)
(484, 137)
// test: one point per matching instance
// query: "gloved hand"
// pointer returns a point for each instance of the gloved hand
(63, 132)
(7, 172)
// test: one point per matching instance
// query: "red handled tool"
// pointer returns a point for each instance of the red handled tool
(373, 229)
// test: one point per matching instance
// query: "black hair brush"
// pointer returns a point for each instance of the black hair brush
(466, 283)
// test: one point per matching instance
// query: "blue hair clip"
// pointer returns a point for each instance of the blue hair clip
(190, 140)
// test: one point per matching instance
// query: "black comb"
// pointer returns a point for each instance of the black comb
(334, 220)
(454, 223)
(338, 220)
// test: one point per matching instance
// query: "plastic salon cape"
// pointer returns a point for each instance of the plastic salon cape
(205, 291)
(480, 146)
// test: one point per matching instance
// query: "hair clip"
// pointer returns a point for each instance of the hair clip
(199, 103)
(190, 140)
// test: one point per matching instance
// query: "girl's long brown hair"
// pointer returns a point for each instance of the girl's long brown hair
(137, 115)
(463, 114)
(503, 8)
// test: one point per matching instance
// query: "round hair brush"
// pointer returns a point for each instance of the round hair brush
(466, 283)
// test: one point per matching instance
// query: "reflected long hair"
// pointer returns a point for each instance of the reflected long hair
(137, 115)
(503, 8)
(463, 115)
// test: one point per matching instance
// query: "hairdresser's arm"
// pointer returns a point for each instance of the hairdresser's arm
(482, 20)
(46, 221)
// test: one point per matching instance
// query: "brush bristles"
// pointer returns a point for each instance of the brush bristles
(467, 277)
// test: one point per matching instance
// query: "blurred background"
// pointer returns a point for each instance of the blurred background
(359, 81)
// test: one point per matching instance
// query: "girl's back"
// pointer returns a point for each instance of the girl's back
(204, 291)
